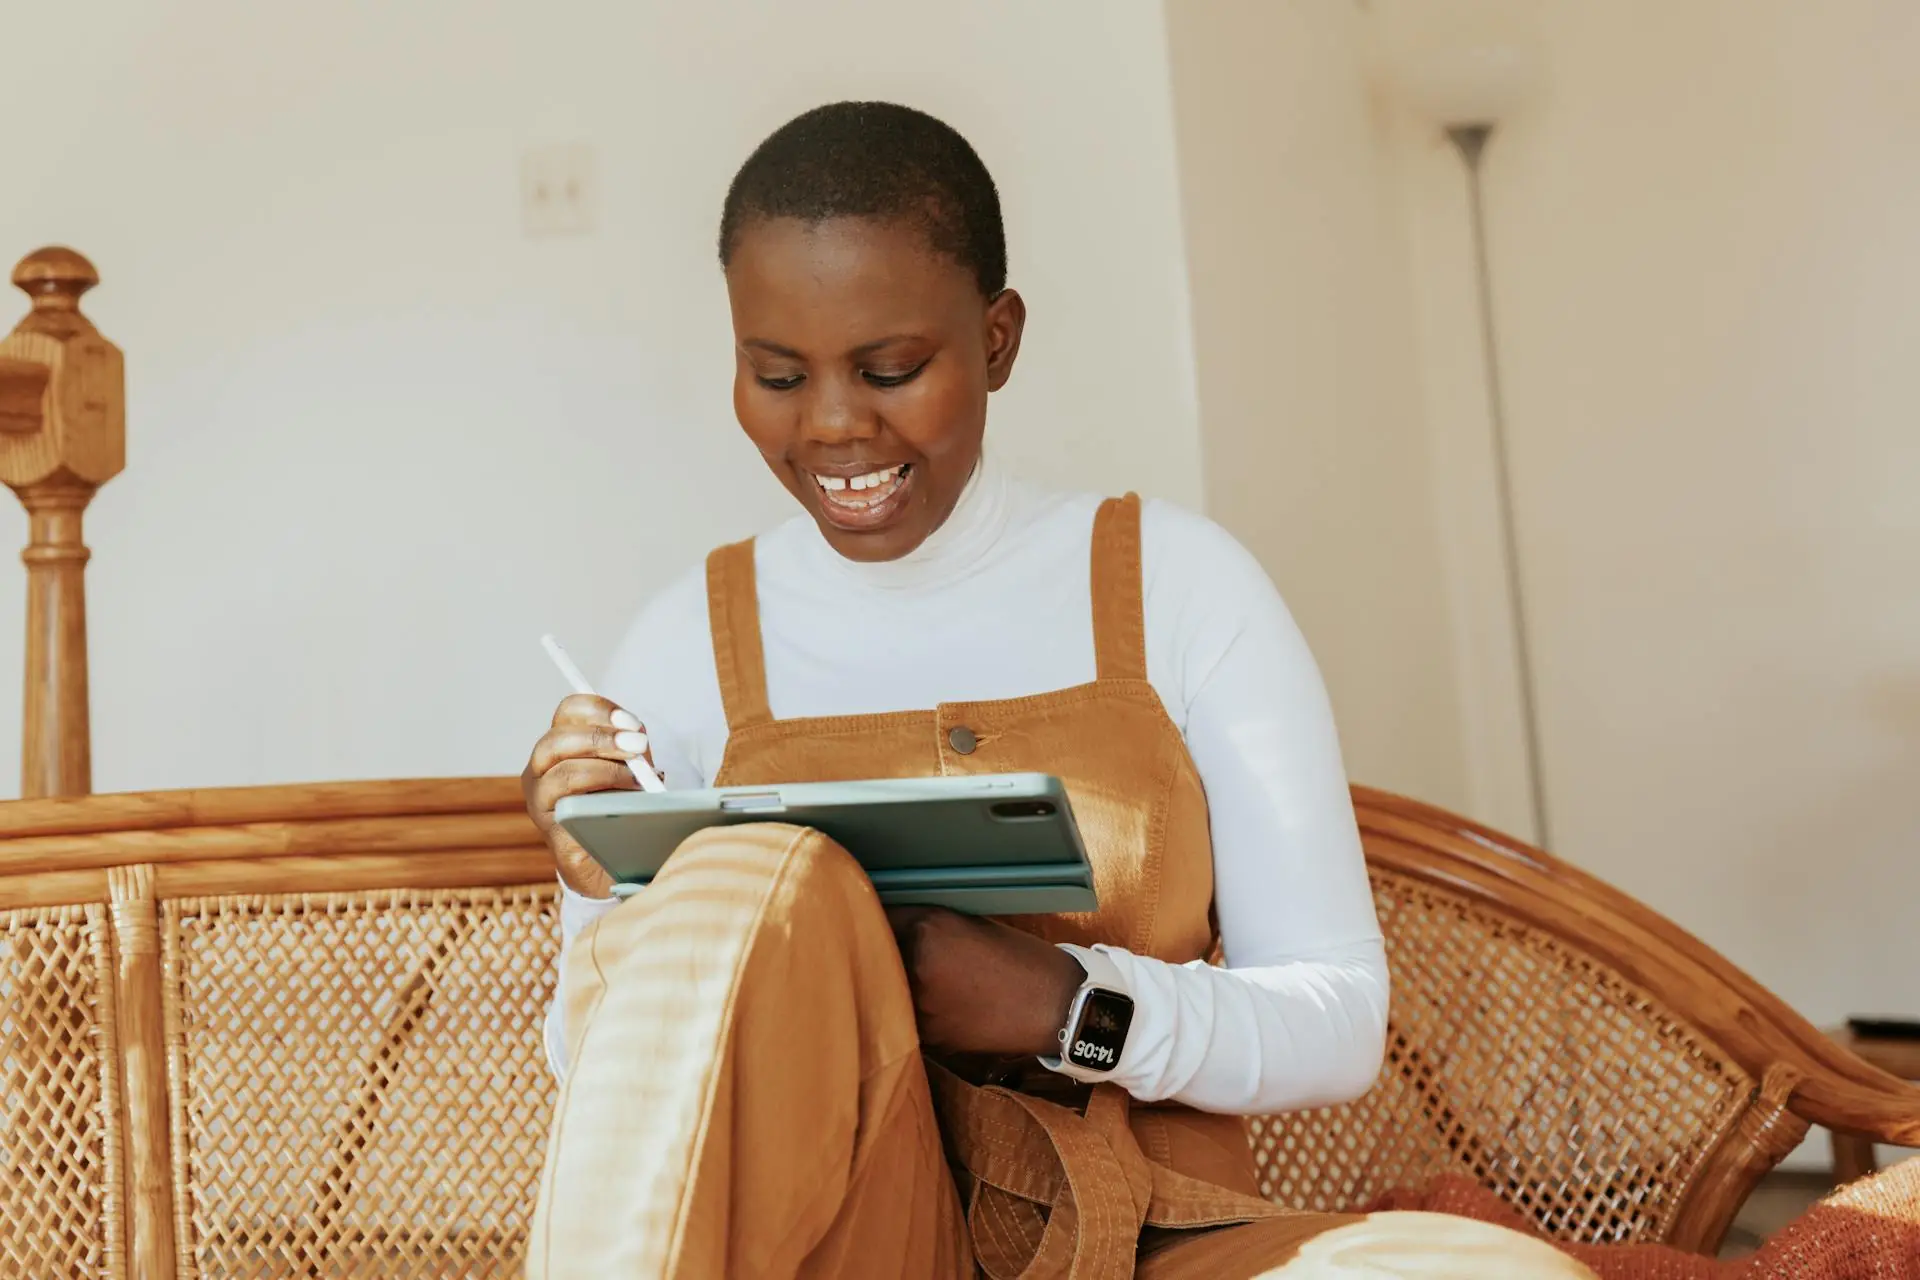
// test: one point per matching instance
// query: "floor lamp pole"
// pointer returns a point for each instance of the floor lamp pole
(1470, 140)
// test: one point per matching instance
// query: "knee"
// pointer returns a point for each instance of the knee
(783, 886)
(810, 900)
(791, 851)
(793, 869)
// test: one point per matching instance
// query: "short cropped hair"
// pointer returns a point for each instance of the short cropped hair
(874, 160)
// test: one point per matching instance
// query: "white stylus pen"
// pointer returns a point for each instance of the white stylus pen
(642, 773)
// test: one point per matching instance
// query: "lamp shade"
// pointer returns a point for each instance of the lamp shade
(1469, 83)
(1454, 63)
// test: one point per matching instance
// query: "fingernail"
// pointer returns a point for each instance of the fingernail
(632, 743)
(625, 719)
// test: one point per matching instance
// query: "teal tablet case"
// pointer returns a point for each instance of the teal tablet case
(1000, 844)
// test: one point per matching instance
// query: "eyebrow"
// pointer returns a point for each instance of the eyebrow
(773, 348)
(865, 348)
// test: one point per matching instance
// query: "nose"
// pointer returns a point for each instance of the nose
(836, 412)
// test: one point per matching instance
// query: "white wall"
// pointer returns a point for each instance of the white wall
(379, 441)
(1706, 276)
(1705, 270)
(1309, 398)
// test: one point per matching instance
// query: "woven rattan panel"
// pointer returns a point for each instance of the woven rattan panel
(60, 1205)
(1516, 1059)
(359, 1079)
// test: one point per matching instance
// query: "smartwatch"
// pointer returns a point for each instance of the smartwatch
(1095, 1034)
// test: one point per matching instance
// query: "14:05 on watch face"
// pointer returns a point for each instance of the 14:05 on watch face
(1101, 1032)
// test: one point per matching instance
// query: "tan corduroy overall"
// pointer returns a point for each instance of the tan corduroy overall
(747, 1095)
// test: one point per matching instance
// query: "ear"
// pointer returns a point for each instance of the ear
(1006, 320)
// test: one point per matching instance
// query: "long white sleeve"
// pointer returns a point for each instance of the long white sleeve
(1282, 1037)
(576, 913)
(997, 606)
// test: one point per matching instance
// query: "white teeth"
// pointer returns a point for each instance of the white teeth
(860, 483)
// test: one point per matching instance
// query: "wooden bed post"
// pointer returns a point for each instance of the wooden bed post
(63, 434)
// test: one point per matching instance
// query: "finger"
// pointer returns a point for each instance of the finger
(904, 918)
(591, 708)
(579, 778)
(588, 742)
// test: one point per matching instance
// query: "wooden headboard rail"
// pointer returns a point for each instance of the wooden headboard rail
(308, 838)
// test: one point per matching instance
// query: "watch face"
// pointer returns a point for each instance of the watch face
(1101, 1033)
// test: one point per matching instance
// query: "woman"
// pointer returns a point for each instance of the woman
(745, 1087)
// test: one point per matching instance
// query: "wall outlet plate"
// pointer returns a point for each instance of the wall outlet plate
(558, 190)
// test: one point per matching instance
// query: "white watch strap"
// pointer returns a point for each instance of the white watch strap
(1101, 972)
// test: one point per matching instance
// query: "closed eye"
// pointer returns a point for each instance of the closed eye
(787, 383)
(893, 379)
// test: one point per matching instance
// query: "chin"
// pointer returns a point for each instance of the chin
(871, 546)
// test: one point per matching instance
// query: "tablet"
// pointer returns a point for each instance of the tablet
(999, 844)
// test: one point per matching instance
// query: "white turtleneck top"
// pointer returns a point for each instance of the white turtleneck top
(997, 604)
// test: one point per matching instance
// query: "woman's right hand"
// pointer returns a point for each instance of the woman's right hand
(586, 749)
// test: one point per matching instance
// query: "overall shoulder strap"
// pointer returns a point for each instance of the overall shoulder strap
(733, 614)
(1119, 614)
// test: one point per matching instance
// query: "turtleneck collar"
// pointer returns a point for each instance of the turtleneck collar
(954, 550)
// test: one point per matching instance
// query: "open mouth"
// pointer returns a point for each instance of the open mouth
(867, 500)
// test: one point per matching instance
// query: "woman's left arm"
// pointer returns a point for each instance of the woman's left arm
(1297, 1017)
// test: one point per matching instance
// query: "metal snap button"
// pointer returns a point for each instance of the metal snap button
(962, 739)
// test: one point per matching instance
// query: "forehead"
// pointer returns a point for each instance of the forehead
(843, 280)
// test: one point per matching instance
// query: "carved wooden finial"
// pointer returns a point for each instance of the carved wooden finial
(63, 434)
(62, 392)
(55, 277)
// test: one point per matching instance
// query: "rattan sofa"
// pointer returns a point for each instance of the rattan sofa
(294, 1031)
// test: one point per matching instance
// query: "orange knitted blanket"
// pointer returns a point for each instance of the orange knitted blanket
(1867, 1231)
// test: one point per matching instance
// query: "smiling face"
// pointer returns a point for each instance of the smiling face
(863, 361)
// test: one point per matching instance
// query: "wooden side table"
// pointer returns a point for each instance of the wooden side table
(1853, 1156)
